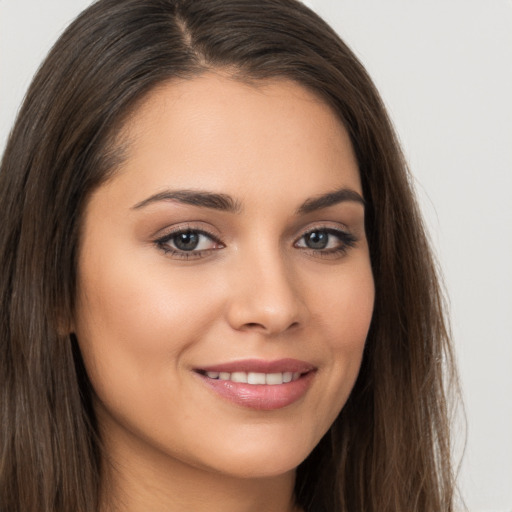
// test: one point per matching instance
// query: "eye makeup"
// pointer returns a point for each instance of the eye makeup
(191, 242)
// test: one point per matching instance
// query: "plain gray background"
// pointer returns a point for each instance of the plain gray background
(444, 69)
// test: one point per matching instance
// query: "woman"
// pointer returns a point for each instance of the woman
(216, 291)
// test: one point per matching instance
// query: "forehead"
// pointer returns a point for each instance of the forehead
(214, 132)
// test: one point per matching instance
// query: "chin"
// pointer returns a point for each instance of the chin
(262, 459)
(256, 468)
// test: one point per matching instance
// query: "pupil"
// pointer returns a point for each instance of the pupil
(317, 240)
(186, 241)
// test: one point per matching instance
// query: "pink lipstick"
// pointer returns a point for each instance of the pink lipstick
(260, 384)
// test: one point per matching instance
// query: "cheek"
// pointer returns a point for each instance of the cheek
(344, 307)
(343, 312)
(135, 326)
(134, 319)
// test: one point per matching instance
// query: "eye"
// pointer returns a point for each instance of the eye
(188, 243)
(326, 241)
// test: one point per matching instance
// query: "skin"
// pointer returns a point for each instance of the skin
(147, 318)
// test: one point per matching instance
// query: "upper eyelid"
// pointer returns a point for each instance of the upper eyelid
(183, 228)
(325, 226)
(171, 234)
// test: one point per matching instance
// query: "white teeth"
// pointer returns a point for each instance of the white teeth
(274, 378)
(256, 378)
(270, 379)
(239, 377)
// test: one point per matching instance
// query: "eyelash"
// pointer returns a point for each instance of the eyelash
(346, 239)
(163, 243)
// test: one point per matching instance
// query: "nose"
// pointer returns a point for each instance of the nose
(266, 297)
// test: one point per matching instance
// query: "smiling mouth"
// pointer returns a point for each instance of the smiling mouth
(260, 385)
(255, 378)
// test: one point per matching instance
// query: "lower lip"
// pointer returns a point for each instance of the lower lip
(259, 396)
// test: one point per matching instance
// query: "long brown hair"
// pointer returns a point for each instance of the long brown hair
(389, 448)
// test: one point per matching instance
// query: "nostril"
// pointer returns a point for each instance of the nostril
(256, 326)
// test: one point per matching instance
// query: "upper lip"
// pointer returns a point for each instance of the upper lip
(261, 366)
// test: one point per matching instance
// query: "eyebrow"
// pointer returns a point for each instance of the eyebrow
(224, 202)
(199, 198)
(330, 199)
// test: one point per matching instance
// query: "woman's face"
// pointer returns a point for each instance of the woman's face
(229, 247)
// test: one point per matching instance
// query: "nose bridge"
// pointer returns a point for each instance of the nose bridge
(266, 293)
